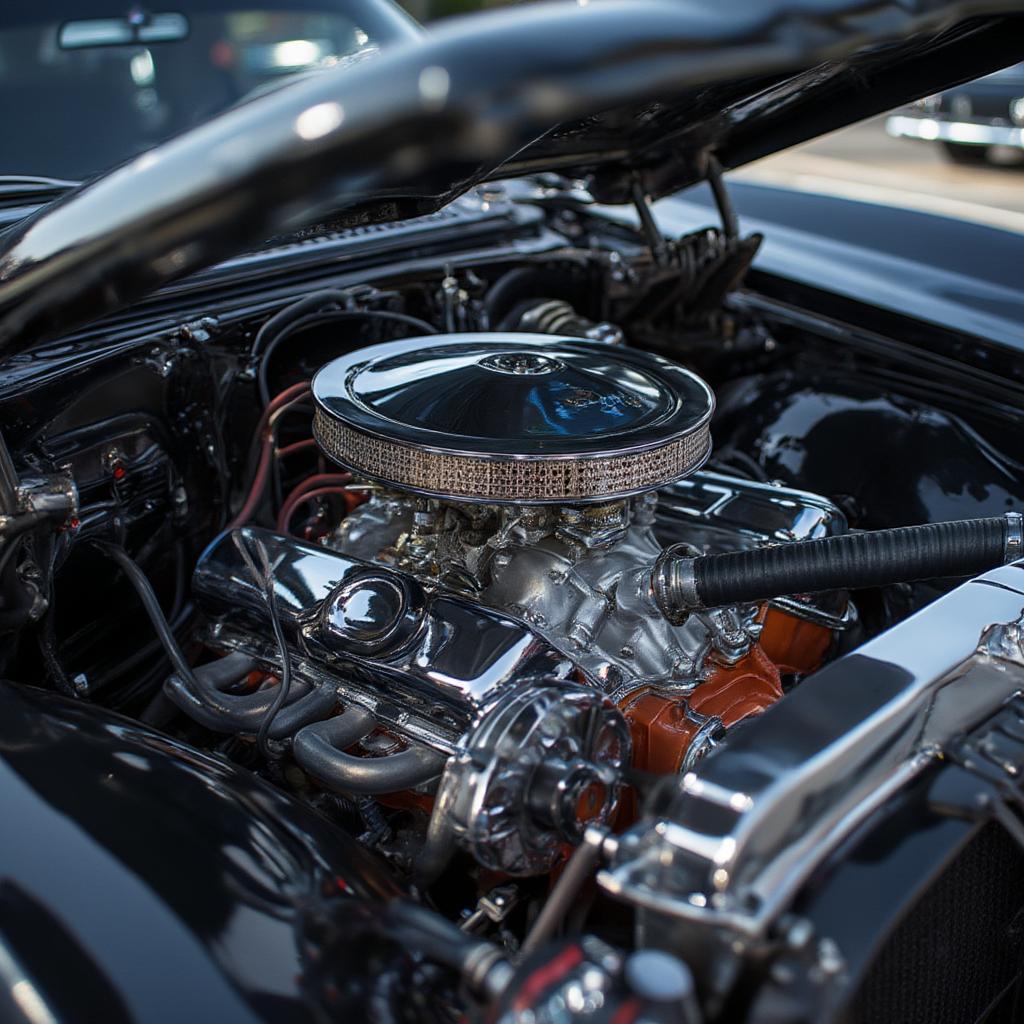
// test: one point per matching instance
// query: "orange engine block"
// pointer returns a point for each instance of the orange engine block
(664, 726)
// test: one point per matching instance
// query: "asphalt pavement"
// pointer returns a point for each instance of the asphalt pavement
(864, 163)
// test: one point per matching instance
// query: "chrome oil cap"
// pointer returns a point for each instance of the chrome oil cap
(512, 418)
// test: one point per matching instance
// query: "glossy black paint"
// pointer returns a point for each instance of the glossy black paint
(902, 461)
(469, 100)
(150, 882)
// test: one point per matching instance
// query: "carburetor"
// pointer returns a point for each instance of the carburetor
(521, 471)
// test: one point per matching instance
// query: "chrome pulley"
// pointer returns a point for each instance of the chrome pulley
(533, 774)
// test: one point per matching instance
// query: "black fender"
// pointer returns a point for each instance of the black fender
(141, 880)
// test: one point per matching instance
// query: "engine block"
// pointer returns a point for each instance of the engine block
(477, 630)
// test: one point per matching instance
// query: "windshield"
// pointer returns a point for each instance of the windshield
(87, 85)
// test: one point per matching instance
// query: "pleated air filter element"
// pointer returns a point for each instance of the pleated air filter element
(512, 418)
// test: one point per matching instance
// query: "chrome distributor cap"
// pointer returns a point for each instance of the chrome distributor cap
(512, 418)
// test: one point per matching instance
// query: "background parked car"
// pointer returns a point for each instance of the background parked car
(969, 120)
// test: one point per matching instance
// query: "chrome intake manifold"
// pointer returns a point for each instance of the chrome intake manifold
(570, 572)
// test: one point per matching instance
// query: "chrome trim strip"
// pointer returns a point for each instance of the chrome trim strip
(1014, 537)
(931, 129)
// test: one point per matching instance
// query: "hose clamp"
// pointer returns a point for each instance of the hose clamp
(486, 970)
(674, 583)
(1014, 537)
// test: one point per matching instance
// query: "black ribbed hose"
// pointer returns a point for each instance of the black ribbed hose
(878, 558)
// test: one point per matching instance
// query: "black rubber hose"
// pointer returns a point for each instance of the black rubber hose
(308, 313)
(313, 707)
(851, 561)
(484, 966)
(438, 847)
(15, 600)
(535, 283)
(151, 603)
(319, 750)
(295, 311)
(222, 712)
(226, 671)
(417, 927)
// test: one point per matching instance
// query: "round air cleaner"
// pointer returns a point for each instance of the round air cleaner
(512, 418)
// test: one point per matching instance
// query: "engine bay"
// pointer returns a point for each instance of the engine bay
(479, 565)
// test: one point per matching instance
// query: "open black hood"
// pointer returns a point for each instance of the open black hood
(617, 91)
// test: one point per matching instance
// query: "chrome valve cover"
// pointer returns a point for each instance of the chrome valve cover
(424, 663)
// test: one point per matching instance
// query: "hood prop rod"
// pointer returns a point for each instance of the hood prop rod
(656, 241)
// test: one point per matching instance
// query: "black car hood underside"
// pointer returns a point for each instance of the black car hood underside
(618, 92)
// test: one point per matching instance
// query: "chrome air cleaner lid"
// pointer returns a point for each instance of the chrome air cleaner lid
(512, 418)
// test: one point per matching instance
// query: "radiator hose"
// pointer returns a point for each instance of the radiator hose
(965, 547)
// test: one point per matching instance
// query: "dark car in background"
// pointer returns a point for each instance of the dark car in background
(971, 119)
(86, 87)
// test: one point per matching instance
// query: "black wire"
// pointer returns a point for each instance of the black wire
(14, 531)
(282, 320)
(14, 617)
(265, 581)
(176, 619)
(8, 553)
(137, 578)
(297, 317)
(46, 640)
(756, 470)
(731, 460)
(262, 734)
(293, 311)
(15, 527)
(48, 552)
(307, 318)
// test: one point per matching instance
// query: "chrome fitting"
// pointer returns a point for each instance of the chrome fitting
(54, 496)
(674, 583)
(1014, 537)
(487, 971)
